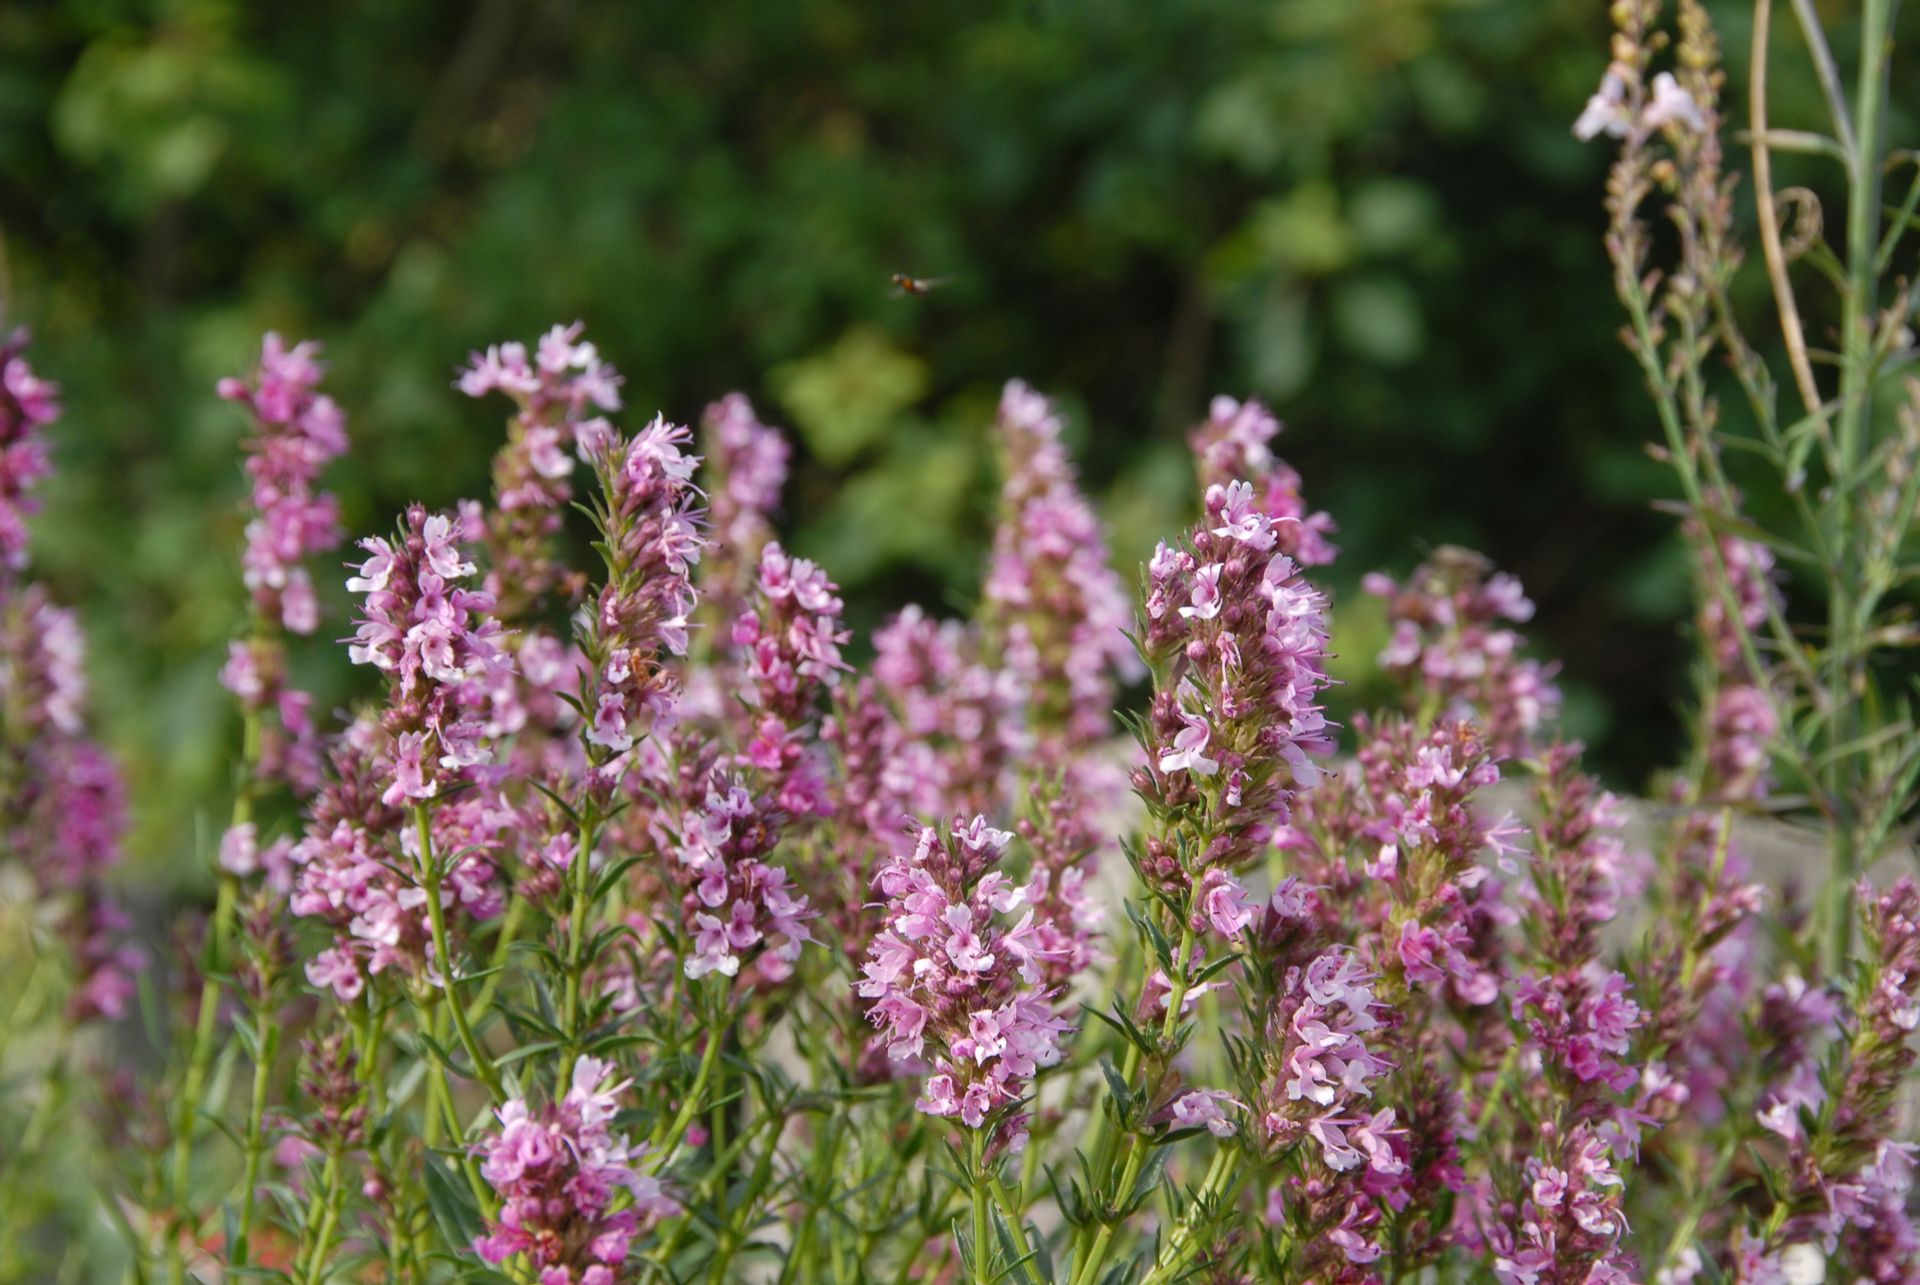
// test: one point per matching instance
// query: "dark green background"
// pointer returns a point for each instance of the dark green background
(1370, 212)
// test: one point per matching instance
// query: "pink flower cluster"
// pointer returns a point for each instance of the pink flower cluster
(1435, 1058)
(439, 645)
(107, 962)
(1582, 869)
(1568, 1227)
(561, 381)
(1234, 443)
(1323, 1067)
(751, 459)
(1214, 1110)
(958, 716)
(573, 1195)
(1741, 725)
(1408, 805)
(1581, 1028)
(45, 676)
(789, 646)
(735, 901)
(28, 404)
(1740, 718)
(344, 873)
(1320, 1072)
(1746, 573)
(1579, 1018)
(931, 728)
(1238, 641)
(1068, 911)
(1055, 612)
(297, 430)
(746, 471)
(650, 517)
(1849, 1177)
(1450, 646)
(256, 674)
(557, 391)
(1620, 107)
(952, 985)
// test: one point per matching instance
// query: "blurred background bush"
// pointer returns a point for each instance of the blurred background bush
(1369, 212)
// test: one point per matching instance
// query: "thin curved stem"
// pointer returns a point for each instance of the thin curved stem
(1776, 259)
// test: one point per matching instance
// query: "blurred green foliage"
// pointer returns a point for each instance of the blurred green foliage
(1370, 212)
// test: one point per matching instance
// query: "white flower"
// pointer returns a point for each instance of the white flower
(1672, 105)
(1606, 111)
(1803, 1264)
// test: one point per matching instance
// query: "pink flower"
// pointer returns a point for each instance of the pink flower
(558, 1172)
(1241, 521)
(939, 1097)
(1451, 651)
(1206, 1108)
(336, 969)
(410, 776)
(240, 850)
(1235, 444)
(1224, 903)
(1205, 598)
(712, 949)
(1419, 946)
(1188, 752)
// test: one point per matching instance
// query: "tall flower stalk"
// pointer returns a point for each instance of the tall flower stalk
(296, 431)
(62, 817)
(1235, 641)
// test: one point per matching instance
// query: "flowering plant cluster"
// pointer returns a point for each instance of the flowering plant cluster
(643, 920)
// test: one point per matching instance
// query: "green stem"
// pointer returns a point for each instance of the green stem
(1497, 1090)
(736, 1230)
(267, 1043)
(329, 1217)
(1705, 1193)
(442, 1091)
(23, 1156)
(1088, 1268)
(1016, 1216)
(1845, 650)
(671, 1137)
(1182, 1245)
(199, 1062)
(722, 1164)
(869, 1239)
(580, 884)
(496, 965)
(935, 1217)
(982, 1255)
(819, 1190)
(483, 1068)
